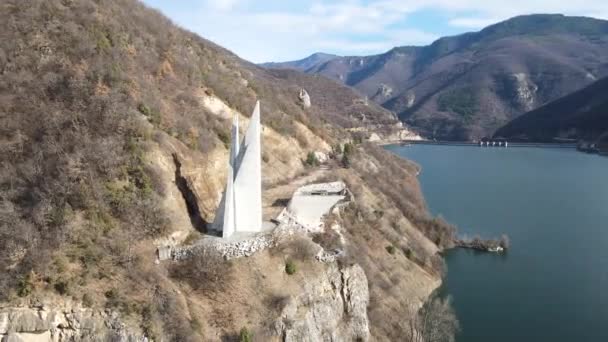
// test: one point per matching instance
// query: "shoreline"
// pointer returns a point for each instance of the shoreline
(476, 144)
(596, 151)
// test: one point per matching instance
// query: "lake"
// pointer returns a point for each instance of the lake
(552, 285)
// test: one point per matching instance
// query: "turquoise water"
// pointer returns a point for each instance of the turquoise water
(552, 285)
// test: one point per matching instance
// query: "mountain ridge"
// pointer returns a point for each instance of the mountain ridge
(464, 87)
(301, 64)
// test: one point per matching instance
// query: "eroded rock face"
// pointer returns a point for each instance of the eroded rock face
(304, 98)
(410, 99)
(385, 91)
(42, 324)
(395, 133)
(331, 308)
(525, 91)
(321, 156)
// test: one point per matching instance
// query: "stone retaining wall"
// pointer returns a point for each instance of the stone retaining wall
(231, 249)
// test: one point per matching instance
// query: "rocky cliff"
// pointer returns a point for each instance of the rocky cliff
(333, 308)
(61, 324)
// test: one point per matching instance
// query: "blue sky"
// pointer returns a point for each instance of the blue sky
(280, 30)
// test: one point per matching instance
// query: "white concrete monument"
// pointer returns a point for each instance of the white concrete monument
(241, 207)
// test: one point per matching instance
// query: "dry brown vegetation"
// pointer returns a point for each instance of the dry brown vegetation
(254, 292)
(88, 89)
(300, 248)
(389, 210)
(342, 106)
(396, 179)
(435, 322)
(85, 89)
(206, 272)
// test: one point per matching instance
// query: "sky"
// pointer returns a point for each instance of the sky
(283, 30)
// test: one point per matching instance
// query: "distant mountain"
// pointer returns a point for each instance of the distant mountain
(466, 86)
(302, 64)
(582, 115)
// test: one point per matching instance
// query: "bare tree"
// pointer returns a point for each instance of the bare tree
(505, 242)
(206, 272)
(435, 322)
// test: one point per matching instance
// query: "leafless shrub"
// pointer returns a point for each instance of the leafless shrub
(438, 265)
(396, 179)
(301, 138)
(156, 180)
(300, 248)
(328, 239)
(276, 302)
(205, 271)
(165, 313)
(435, 322)
(347, 259)
(505, 242)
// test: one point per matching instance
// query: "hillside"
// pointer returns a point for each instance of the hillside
(582, 115)
(114, 127)
(466, 86)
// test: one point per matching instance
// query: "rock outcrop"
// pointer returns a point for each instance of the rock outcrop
(331, 308)
(391, 133)
(384, 92)
(321, 156)
(525, 91)
(42, 324)
(410, 98)
(304, 98)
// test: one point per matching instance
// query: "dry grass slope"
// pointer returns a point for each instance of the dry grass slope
(93, 96)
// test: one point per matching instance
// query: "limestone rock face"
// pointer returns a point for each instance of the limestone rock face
(393, 133)
(321, 156)
(525, 91)
(384, 91)
(332, 308)
(406, 134)
(42, 324)
(304, 98)
(374, 137)
(410, 98)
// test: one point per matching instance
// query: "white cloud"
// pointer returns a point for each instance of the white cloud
(275, 30)
(347, 28)
(222, 5)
